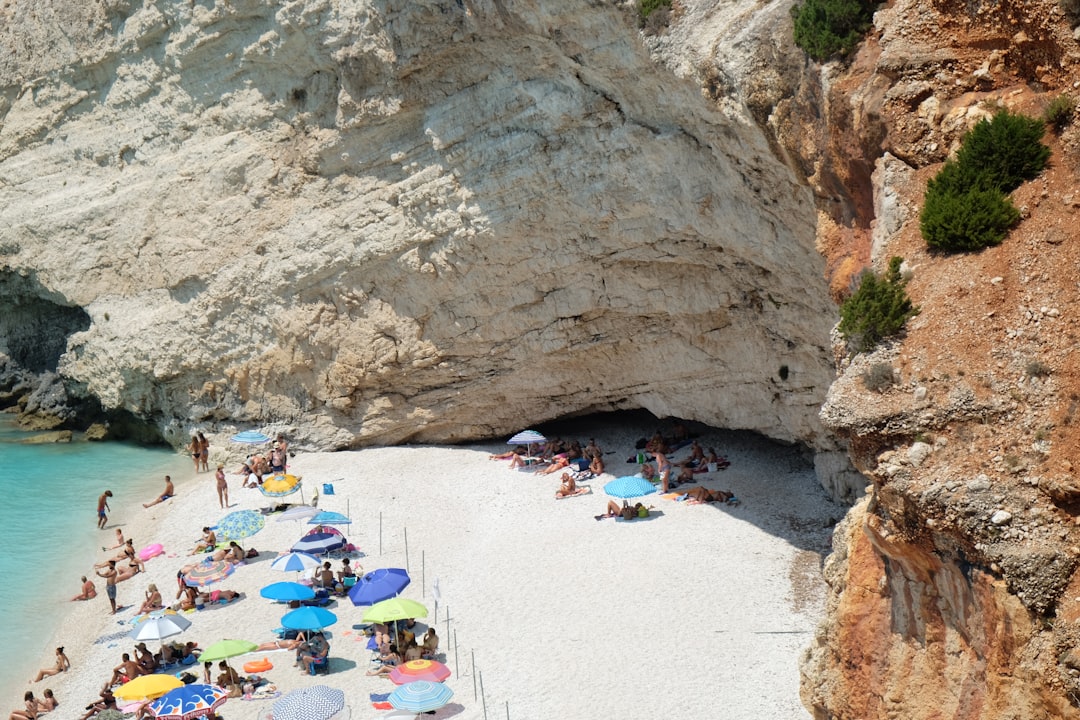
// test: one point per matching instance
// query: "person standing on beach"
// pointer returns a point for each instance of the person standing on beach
(169, 492)
(109, 574)
(222, 486)
(102, 507)
(204, 453)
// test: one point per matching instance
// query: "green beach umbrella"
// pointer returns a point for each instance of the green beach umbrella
(395, 608)
(225, 649)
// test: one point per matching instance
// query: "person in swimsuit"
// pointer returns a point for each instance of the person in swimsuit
(222, 487)
(169, 492)
(110, 575)
(88, 590)
(49, 702)
(663, 469)
(208, 542)
(153, 600)
(102, 508)
(32, 708)
(204, 453)
(61, 665)
(568, 487)
(195, 448)
(283, 644)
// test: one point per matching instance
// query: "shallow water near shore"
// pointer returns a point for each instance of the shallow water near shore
(50, 532)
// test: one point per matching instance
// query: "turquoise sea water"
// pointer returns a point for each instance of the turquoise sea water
(49, 529)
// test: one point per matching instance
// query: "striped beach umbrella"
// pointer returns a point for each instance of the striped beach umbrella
(430, 670)
(241, 524)
(207, 573)
(295, 562)
(527, 437)
(188, 702)
(420, 696)
(319, 543)
(629, 486)
(318, 702)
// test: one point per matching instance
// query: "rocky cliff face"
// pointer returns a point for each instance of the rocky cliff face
(408, 221)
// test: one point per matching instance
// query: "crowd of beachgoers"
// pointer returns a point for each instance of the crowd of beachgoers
(478, 540)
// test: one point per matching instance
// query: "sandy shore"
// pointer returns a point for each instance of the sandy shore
(699, 611)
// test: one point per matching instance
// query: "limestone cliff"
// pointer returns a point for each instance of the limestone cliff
(379, 222)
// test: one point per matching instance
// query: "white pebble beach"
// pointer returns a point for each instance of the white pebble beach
(700, 611)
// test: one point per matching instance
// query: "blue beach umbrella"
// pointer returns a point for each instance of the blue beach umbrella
(420, 696)
(241, 524)
(295, 562)
(308, 618)
(629, 486)
(250, 437)
(327, 517)
(319, 543)
(188, 702)
(379, 585)
(287, 592)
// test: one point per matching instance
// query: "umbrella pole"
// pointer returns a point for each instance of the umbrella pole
(473, 653)
(482, 698)
(457, 665)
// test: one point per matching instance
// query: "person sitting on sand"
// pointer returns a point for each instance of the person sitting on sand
(147, 662)
(153, 600)
(126, 671)
(119, 540)
(568, 487)
(234, 553)
(165, 495)
(346, 570)
(509, 454)
(592, 449)
(283, 644)
(324, 576)
(430, 645)
(31, 711)
(127, 552)
(208, 542)
(190, 597)
(596, 465)
(89, 591)
(699, 495)
(105, 702)
(228, 675)
(61, 665)
(126, 572)
(49, 702)
(389, 660)
(412, 650)
(557, 463)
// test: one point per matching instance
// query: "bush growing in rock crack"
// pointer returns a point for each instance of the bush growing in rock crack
(877, 309)
(966, 205)
(878, 377)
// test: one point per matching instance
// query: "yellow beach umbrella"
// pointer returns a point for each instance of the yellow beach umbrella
(147, 687)
(280, 485)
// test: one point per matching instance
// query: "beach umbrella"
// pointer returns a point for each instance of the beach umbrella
(298, 512)
(147, 687)
(225, 649)
(420, 696)
(159, 628)
(209, 572)
(295, 562)
(317, 702)
(188, 702)
(629, 486)
(394, 609)
(319, 543)
(250, 437)
(379, 585)
(527, 437)
(308, 618)
(280, 485)
(324, 529)
(430, 670)
(326, 517)
(153, 614)
(287, 592)
(241, 524)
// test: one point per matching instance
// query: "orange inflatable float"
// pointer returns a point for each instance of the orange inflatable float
(258, 666)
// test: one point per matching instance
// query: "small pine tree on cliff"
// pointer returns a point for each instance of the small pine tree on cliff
(877, 309)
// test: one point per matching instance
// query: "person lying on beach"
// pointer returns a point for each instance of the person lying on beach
(31, 711)
(89, 591)
(168, 493)
(185, 653)
(208, 542)
(558, 463)
(626, 512)
(153, 600)
(699, 495)
(61, 665)
(430, 645)
(126, 572)
(568, 487)
(105, 702)
(127, 552)
(126, 671)
(509, 454)
(283, 644)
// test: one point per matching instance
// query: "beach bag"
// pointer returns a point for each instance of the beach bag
(643, 512)
(328, 489)
(641, 458)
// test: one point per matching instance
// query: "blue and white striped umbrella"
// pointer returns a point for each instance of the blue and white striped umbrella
(250, 437)
(295, 562)
(319, 543)
(629, 486)
(419, 696)
(527, 437)
(318, 702)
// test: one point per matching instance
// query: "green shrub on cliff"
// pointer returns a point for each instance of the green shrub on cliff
(966, 207)
(877, 309)
(647, 7)
(824, 28)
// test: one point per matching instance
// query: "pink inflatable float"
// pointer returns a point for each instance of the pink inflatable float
(150, 551)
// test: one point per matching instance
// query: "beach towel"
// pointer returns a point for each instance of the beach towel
(382, 706)
(579, 491)
(379, 697)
